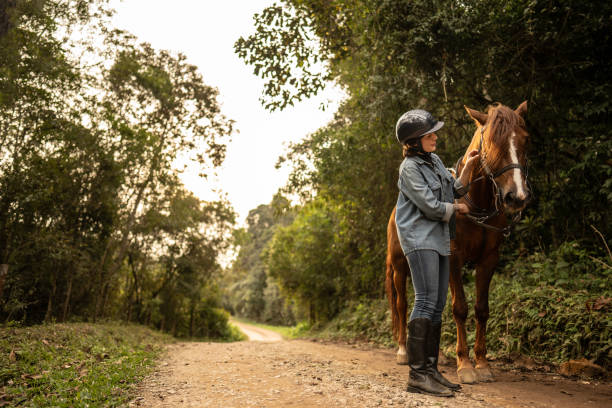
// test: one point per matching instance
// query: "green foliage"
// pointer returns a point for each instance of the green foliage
(62, 365)
(299, 330)
(363, 321)
(299, 257)
(534, 310)
(285, 57)
(250, 292)
(439, 55)
(565, 311)
(213, 324)
(94, 222)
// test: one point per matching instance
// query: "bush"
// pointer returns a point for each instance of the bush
(551, 307)
(367, 321)
(215, 325)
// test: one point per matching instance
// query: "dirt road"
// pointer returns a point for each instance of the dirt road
(255, 333)
(298, 373)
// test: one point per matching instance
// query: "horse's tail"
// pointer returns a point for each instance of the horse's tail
(392, 291)
(392, 296)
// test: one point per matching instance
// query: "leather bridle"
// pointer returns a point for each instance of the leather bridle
(479, 215)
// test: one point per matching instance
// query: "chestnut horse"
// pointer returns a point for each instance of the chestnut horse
(498, 188)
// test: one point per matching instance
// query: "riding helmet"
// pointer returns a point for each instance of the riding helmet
(414, 124)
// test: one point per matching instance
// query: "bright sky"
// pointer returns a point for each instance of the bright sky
(205, 31)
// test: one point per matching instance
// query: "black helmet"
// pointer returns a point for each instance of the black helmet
(414, 124)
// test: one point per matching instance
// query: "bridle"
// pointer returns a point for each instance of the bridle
(479, 215)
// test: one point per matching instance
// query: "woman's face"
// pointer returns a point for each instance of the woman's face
(429, 142)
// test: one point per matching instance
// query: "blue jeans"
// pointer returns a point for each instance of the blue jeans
(429, 272)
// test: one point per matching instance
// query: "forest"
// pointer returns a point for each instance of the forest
(325, 257)
(95, 224)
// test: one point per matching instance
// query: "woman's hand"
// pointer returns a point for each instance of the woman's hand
(461, 208)
(470, 163)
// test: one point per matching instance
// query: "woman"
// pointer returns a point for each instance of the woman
(425, 225)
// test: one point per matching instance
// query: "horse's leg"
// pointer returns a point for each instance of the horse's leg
(399, 279)
(397, 271)
(484, 273)
(395, 319)
(465, 370)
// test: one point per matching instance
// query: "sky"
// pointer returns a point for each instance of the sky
(205, 31)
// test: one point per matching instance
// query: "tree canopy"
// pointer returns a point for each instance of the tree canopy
(395, 55)
(94, 222)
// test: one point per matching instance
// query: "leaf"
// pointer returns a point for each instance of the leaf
(31, 376)
(601, 302)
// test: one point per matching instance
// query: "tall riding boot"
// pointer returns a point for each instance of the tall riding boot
(420, 378)
(433, 349)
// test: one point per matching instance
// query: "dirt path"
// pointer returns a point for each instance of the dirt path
(309, 374)
(255, 333)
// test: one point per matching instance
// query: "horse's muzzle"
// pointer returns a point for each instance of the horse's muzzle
(514, 203)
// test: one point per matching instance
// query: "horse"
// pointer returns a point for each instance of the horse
(498, 190)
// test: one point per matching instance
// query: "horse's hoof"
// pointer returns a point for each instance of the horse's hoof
(467, 375)
(401, 358)
(484, 374)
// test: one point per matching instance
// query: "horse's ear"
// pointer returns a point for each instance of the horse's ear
(479, 117)
(522, 109)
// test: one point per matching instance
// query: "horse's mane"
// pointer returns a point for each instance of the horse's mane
(501, 122)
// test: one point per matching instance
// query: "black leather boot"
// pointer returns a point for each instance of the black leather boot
(420, 379)
(433, 350)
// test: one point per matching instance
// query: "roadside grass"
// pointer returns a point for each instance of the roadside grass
(235, 334)
(552, 307)
(359, 322)
(288, 332)
(77, 364)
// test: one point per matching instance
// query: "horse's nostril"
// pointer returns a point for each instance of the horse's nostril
(509, 198)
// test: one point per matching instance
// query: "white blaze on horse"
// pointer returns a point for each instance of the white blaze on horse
(498, 190)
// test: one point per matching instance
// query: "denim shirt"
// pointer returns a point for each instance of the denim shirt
(424, 212)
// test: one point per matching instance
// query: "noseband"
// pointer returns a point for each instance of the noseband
(479, 215)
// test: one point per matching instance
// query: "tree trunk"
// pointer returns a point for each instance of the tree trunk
(125, 242)
(106, 294)
(50, 301)
(67, 300)
(100, 282)
(129, 312)
(312, 313)
(5, 18)
(3, 275)
(191, 315)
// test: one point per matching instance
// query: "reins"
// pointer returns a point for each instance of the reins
(479, 215)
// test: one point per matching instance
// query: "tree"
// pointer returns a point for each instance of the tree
(93, 217)
(306, 260)
(439, 55)
(157, 107)
(251, 292)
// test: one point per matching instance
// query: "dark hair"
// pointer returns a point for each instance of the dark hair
(415, 148)
(411, 148)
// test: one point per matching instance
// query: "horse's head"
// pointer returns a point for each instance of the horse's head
(501, 138)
